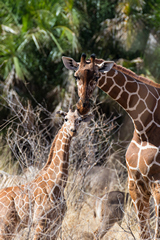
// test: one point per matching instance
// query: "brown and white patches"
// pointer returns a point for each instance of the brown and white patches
(142, 103)
(131, 85)
(107, 87)
(140, 97)
(141, 79)
(150, 101)
(157, 115)
(120, 81)
(143, 158)
(132, 101)
(132, 156)
(142, 91)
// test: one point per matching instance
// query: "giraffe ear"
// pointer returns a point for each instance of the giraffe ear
(70, 64)
(62, 113)
(105, 66)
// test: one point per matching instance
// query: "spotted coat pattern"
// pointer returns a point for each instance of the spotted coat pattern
(40, 203)
(140, 97)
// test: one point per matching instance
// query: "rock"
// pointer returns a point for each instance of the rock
(83, 192)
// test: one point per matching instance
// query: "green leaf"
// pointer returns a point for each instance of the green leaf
(35, 41)
(56, 42)
(18, 69)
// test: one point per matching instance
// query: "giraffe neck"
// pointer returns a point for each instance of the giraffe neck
(58, 160)
(138, 96)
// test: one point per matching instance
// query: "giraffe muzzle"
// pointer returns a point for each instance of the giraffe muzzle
(83, 107)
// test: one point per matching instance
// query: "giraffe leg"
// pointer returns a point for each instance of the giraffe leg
(41, 231)
(156, 195)
(141, 203)
(47, 224)
(157, 230)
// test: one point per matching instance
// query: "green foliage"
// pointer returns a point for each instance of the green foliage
(152, 62)
(44, 23)
(34, 35)
(92, 14)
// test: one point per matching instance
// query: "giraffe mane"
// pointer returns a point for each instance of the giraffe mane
(131, 74)
(49, 160)
(134, 75)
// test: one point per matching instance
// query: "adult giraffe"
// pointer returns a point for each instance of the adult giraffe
(41, 202)
(140, 98)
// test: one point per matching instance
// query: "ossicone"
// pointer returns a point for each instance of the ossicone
(83, 58)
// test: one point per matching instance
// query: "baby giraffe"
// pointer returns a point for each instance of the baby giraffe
(40, 203)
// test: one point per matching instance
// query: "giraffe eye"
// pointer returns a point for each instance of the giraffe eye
(76, 78)
(66, 119)
(96, 79)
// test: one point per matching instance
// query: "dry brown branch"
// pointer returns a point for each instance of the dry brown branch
(94, 156)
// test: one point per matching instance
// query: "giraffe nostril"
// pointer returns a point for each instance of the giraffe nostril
(84, 104)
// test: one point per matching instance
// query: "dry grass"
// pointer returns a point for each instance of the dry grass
(97, 166)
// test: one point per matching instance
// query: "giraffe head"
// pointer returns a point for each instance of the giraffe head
(87, 73)
(72, 120)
